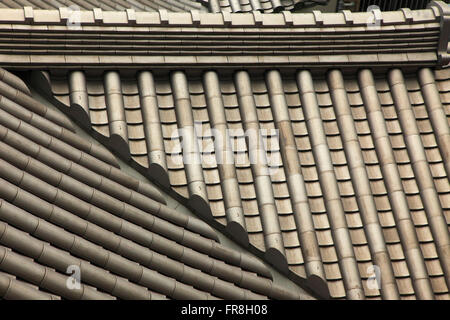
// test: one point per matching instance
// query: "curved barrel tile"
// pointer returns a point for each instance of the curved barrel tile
(54, 208)
(190, 149)
(341, 131)
(78, 97)
(269, 217)
(13, 289)
(111, 5)
(14, 81)
(361, 185)
(436, 113)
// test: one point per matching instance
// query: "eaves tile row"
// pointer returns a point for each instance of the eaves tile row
(267, 6)
(130, 17)
(110, 5)
(64, 202)
(359, 178)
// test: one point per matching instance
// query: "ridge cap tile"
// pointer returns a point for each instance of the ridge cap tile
(235, 260)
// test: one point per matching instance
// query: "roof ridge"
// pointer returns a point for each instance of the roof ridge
(97, 16)
(179, 101)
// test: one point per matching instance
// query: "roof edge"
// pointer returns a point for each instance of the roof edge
(132, 18)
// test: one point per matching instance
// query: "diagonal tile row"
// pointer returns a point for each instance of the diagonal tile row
(64, 203)
(351, 178)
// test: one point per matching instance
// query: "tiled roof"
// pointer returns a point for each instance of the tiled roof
(64, 202)
(167, 40)
(109, 5)
(360, 177)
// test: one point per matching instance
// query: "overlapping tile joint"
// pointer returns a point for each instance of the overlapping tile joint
(65, 205)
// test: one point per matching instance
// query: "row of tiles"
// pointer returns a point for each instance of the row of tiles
(130, 17)
(391, 5)
(266, 6)
(316, 39)
(311, 191)
(61, 206)
(108, 5)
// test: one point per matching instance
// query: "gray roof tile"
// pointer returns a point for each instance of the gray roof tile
(64, 207)
(360, 177)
